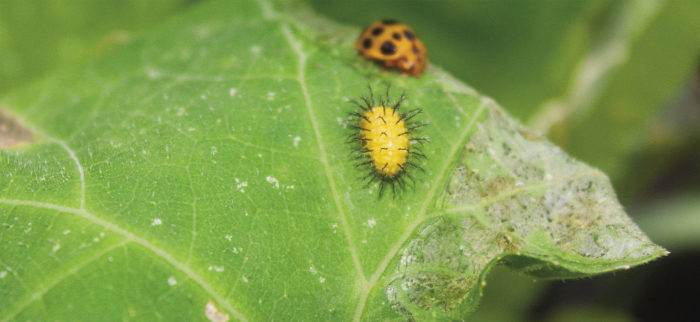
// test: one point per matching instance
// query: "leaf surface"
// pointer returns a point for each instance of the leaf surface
(207, 162)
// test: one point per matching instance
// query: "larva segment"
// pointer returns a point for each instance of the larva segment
(386, 140)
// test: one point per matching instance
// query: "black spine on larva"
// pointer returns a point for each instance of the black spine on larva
(358, 115)
(360, 105)
(399, 101)
(367, 102)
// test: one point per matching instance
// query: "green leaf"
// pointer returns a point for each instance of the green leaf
(205, 166)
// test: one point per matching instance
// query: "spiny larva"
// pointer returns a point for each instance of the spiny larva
(386, 141)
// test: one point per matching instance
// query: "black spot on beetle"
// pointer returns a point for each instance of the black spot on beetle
(415, 49)
(396, 36)
(388, 48)
(404, 58)
(367, 43)
(409, 35)
(377, 31)
(389, 22)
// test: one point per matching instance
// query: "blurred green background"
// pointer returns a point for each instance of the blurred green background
(616, 83)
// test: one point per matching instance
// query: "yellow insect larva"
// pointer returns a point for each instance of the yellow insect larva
(385, 137)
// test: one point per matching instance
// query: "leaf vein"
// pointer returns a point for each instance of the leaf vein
(75, 269)
(422, 212)
(301, 78)
(141, 241)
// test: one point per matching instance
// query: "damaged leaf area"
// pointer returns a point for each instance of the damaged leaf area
(12, 133)
(202, 172)
(518, 200)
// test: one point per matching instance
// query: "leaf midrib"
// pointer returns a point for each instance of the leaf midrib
(301, 79)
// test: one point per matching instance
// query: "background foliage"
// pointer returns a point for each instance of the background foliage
(638, 120)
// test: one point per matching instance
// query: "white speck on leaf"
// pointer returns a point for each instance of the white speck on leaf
(156, 222)
(229, 237)
(232, 92)
(322, 279)
(245, 280)
(371, 223)
(255, 50)
(273, 180)
(296, 141)
(172, 281)
(3, 274)
(66, 232)
(313, 270)
(241, 185)
(56, 248)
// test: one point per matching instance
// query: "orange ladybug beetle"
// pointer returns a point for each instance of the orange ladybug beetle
(395, 44)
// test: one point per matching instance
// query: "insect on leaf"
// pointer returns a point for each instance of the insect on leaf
(203, 172)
